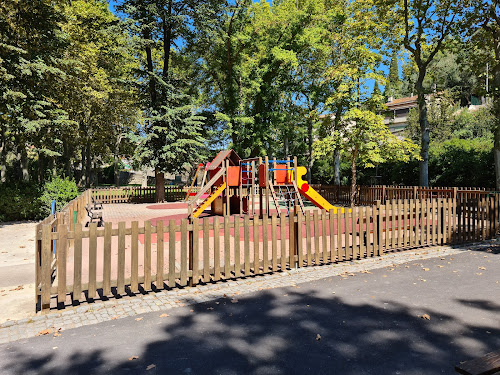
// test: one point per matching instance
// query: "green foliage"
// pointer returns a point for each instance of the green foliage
(62, 190)
(20, 202)
(393, 87)
(462, 162)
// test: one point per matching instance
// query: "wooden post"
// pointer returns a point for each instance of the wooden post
(292, 231)
(46, 271)
(261, 204)
(380, 246)
(266, 177)
(253, 188)
(193, 252)
(228, 207)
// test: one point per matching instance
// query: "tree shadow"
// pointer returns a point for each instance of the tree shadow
(278, 331)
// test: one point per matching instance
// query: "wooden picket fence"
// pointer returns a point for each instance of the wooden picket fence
(137, 194)
(366, 195)
(97, 262)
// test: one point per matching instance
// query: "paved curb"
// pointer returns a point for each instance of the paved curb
(87, 314)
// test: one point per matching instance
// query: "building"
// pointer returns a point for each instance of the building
(398, 111)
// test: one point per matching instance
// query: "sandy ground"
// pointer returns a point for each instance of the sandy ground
(17, 270)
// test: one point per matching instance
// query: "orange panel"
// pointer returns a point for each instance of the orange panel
(281, 176)
(234, 176)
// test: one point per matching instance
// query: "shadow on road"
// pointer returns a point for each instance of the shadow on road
(280, 331)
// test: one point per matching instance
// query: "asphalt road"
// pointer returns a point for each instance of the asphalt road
(369, 323)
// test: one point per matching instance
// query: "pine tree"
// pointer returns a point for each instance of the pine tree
(376, 89)
(172, 132)
(393, 87)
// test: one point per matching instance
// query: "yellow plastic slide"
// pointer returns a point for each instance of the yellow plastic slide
(209, 200)
(312, 194)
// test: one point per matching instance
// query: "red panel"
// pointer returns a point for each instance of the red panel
(219, 180)
(262, 175)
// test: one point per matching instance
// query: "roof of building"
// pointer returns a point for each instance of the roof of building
(233, 157)
(407, 102)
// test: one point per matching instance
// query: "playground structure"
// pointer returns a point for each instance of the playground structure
(247, 187)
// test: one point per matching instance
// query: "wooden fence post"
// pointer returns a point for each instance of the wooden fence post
(46, 267)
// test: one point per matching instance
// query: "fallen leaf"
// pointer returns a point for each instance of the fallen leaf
(22, 246)
(114, 317)
(54, 347)
(150, 367)
(481, 268)
(440, 266)
(318, 337)
(138, 319)
(44, 332)
(164, 315)
(133, 357)
(479, 273)
(57, 334)
(424, 280)
(20, 287)
(426, 269)
(426, 317)
(365, 271)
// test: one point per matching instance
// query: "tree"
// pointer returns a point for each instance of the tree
(393, 86)
(367, 141)
(171, 132)
(31, 79)
(486, 16)
(426, 26)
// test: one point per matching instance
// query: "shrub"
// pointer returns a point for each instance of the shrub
(20, 202)
(62, 190)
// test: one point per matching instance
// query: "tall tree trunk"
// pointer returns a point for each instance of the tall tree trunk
(41, 168)
(24, 164)
(424, 129)
(286, 149)
(160, 186)
(167, 39)
(83, 177)
(336, 167)
(54, 167)
(353, 178)
(3, 157)
(88, 166)
(116, 172)
(496, 103)
(67, 159)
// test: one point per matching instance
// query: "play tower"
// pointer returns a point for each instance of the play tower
(231, 185)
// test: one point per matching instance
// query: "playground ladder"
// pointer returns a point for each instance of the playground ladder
(299, 198)
(246, 170)
(293, 194)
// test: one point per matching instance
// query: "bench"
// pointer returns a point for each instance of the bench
(486, 365)
(97, 205)
(94, 216)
